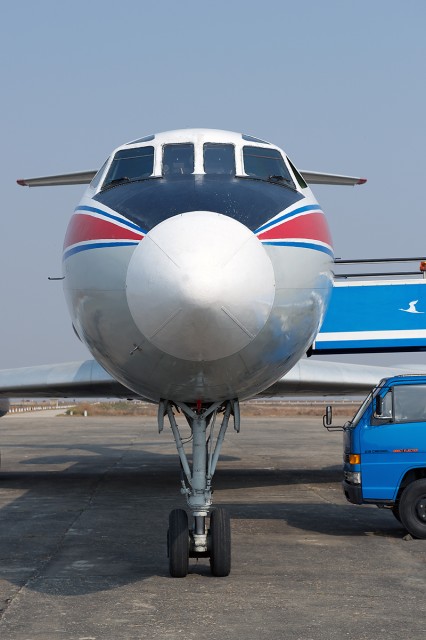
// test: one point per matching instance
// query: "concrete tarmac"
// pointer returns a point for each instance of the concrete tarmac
(84, 506)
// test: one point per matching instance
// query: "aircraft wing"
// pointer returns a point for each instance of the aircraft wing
(316, 177)
(85, 177)
(319, 377)
(89, 380)
(78, 177)
(73, 379)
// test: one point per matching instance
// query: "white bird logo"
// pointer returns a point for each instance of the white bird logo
(412, 307)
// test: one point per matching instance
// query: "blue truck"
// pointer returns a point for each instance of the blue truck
(385, 451)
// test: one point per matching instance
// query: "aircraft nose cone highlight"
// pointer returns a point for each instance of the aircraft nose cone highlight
(200, 286)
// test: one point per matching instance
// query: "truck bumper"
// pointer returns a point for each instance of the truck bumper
(353, 492)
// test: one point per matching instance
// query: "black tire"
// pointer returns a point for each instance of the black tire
(395, 511)
(220, 540)
(412, 508)
(178, 543)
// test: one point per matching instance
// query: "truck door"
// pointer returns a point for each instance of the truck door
(394, 443)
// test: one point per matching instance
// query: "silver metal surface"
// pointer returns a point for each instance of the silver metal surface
(200, 286)
(103, 319)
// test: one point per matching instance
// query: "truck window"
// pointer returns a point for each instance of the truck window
(387, 405)
(409, 403)
(386, 417)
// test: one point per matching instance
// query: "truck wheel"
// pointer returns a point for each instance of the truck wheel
(412, 508)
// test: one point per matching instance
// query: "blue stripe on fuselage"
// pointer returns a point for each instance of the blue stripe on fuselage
(127, 223)
(313, 207)
(96, 245)
(303, 245)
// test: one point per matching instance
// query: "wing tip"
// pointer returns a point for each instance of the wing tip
(362, 181)
(22, 182)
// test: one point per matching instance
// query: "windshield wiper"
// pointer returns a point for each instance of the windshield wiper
(280, 178)
(126, 180)
(118, 180)
(281, 181)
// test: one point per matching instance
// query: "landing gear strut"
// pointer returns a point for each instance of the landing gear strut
(183, 541)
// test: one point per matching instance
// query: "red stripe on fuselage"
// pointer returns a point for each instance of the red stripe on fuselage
(312, 226)
(83, 227)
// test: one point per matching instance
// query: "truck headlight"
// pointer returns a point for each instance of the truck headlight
(354, 477)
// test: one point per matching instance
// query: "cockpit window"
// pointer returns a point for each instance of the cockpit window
(178, 159)
(130, 164)
(299, 177)
(219, 158)
(96, 180)
(260, 162)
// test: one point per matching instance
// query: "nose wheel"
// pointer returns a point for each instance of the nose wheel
(220, 543)
(178, 543)
(181, 546)
(199, 542)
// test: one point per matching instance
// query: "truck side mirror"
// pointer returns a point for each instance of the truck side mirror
(328, 417)
(378, 409)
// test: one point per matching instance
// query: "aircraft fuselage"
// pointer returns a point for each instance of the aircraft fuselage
(202, 285)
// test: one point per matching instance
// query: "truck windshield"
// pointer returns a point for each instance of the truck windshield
(352, 423)
(365, 404)
(409, 402)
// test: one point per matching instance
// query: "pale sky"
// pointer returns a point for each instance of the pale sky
(340, 85)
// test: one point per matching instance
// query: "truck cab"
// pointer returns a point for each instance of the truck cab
(385, 451)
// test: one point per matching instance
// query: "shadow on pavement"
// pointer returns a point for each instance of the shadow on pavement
(101, 522)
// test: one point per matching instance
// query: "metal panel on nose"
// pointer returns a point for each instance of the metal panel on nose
(200, 286)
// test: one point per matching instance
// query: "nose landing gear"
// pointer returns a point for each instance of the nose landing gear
(184, 542)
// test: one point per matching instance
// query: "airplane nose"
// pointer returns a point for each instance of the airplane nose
(200, 286)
